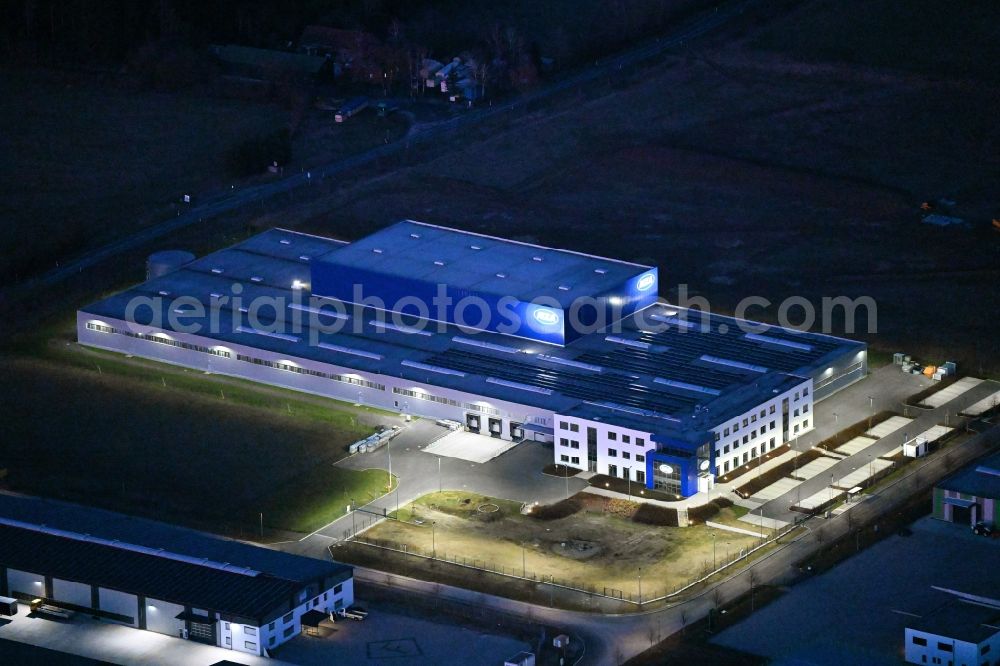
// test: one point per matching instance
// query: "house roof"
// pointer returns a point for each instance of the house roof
(961, 620)
(175, 581)
(980, 479)
(111, 525)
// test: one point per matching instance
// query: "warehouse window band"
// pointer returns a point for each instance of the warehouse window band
(853, 368)
(160, 340)
(306, 371)
(421, 395)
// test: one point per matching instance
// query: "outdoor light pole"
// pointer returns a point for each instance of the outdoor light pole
(524, 567)
(388, 452)
(628, 474)
(433, 541)
(714, 565)
(640, 586)
(439, 474)
(566, 479)
(262, 525)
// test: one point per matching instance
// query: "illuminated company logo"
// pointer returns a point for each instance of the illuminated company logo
(646, 282)
(666, 469)
(546, 317)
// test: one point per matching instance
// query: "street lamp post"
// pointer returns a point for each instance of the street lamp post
(388, 452)
(439, 473)
(640, 586)
(714, 565)
(433, 541)
(871, 413)
(524, 567)
(628, 475)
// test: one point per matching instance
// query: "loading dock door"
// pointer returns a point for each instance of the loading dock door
(496, 427)
(516, 431)
(472, 422)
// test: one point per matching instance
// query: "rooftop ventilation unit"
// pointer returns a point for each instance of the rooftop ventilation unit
(485, 345)
(432, 368)
(285, 241)
(685, 386)
(320, 311)
(267, 334)
(519, 386)
(731, 363)
(768, 340)
(571, 363)
(384, 325)
(638, 344)
(350, 350)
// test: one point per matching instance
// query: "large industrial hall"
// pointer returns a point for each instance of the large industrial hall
(448, 324)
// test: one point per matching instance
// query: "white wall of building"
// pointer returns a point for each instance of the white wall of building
(621, 452)
(71, 592)
(161, 617)
(25, 582)
(121, 603)
(760, 430)
(922, 647)
(286, 627)
(383, 391)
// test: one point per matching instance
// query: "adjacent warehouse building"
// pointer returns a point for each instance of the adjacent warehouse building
(513, 340)
(970, 495)
(175, 582)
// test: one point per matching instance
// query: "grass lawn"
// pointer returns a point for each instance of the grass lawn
(589, 549)
(118, 438)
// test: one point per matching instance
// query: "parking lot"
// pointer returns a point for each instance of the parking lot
(386, 637)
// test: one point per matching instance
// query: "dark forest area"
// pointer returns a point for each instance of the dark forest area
(114, 32)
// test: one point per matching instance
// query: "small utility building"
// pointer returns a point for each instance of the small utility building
(970, 495)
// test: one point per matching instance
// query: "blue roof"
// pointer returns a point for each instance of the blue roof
(666, 369)
(419, 251)
(980, 479)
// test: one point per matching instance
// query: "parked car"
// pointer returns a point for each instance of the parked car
(982, 529)
(360, 610)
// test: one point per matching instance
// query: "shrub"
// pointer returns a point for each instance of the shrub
(651, 514)
(699, 514)
(562, 509)
(621, 508)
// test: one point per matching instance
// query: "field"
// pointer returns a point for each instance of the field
(589, 549)
(171, 444)
(88, 160)
(739, 171)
